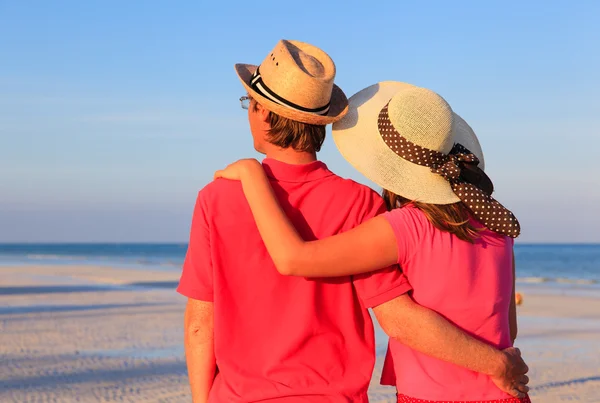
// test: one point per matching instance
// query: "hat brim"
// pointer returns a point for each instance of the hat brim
(358, 139)
(337, 109)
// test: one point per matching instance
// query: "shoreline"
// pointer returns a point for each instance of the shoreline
(530, 283)
(99, 333)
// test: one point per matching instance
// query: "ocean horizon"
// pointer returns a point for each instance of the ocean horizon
(537, 263)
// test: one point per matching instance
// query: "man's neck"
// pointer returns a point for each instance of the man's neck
(291, 156)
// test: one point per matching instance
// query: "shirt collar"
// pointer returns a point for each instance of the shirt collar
(283, 172)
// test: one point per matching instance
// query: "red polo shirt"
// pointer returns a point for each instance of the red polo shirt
(278, 338)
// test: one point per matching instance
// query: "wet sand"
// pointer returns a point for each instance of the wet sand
(100, 334)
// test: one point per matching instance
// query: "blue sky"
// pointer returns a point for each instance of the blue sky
(113, 114)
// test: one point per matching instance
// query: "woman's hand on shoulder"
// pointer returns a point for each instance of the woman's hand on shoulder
(238, 169)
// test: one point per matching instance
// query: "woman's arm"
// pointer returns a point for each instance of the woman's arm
(368, 247)
(512, 312)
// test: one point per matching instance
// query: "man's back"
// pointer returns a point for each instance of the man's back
(285, 338)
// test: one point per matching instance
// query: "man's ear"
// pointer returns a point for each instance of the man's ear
(263, 113)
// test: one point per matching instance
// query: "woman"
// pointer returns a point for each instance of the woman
(451, 238)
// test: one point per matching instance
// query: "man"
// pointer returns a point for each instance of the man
(288, 339)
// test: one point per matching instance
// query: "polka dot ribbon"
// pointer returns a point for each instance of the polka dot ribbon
(469, 182)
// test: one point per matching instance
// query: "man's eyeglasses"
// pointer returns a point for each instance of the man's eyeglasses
(245, 101)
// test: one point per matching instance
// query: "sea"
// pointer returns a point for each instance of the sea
(541, 268)
(572, 265)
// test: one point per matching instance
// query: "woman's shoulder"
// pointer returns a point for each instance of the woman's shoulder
(407, 221)
(406, 212)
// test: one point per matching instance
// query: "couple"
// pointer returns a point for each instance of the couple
(285, 258)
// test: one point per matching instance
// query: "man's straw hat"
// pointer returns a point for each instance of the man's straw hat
(296, 81)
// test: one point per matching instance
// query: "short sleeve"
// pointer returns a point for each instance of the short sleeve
(383, 285)
(197, 277)
(406, 222)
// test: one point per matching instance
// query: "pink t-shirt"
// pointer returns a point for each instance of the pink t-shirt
(278, 338)
(470, 285)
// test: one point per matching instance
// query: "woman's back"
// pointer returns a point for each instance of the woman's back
(468, 283)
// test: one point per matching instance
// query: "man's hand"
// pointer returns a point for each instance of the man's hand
(426, 331)
(511, 377)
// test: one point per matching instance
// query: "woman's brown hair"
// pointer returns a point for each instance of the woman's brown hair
(453, 218)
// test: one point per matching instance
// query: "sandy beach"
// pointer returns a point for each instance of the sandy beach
(100, 334)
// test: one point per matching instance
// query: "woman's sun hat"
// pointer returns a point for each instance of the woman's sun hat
(296, 81)
(408, 140)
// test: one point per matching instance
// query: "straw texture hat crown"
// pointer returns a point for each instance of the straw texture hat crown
(296, 81)
(423, 118)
